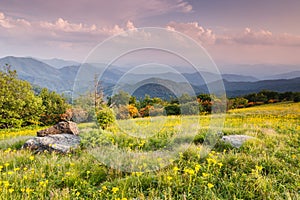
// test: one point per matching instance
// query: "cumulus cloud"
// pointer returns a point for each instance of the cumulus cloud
(60, 29)
(247, 36)
(61, 26)
(260, 37)
(130, 25)
(194, 30)
(64, 25)
(7, 22)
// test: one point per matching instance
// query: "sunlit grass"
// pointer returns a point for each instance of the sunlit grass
(265, 168)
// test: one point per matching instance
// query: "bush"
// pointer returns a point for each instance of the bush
(173, 109)
(190, 108)
(105, 117)
(122, 112)
(297, 97)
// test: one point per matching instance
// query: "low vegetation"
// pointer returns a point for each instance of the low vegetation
(265, 168)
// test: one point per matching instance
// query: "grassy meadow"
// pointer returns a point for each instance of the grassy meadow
(267, 167)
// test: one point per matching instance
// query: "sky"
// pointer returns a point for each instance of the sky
(231, 31)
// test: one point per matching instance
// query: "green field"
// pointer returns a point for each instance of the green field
(265, 168)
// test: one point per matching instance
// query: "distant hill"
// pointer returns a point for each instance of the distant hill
(41, 74)
(281, 85)
(59, 63)
(239, 78)
(260, 71)
(289, 75)
(62, 79)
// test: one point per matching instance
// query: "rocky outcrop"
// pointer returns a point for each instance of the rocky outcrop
(62, 143)
(236, 140)
(62, 137)
(65, 127)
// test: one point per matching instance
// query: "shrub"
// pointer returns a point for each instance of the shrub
(105, 117)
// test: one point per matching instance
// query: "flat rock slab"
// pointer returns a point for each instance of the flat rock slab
(62, 143)
(236, 140)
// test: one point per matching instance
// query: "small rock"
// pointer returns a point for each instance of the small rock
(236, 140)
(62, 143)
(66, 127)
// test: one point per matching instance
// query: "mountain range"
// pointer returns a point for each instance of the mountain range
(60, 75)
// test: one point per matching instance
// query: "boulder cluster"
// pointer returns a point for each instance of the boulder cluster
(62, 137)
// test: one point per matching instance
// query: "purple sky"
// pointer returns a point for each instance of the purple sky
(232, 31)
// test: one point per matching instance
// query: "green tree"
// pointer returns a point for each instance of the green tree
(84, 108)
(185, 98)
(238, 102)
(122, 98)
(55, 105)
(18, 104)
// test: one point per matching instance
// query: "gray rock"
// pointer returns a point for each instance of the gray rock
(236, 140)
(62, 143)
(66, 127)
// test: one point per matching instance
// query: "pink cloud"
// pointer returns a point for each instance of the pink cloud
(195, 31)
(7, 22)
(261, 37)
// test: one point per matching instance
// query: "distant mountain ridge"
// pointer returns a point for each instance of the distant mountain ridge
(62, 79)
(59, 63)
(41, 74)
(288, 75)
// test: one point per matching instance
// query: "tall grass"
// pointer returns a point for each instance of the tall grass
(265, 168)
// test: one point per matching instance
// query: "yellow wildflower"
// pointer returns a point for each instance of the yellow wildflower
(114, 190)
(197, 167)
(205, 174)
(68, 173)
(16, 169)
(28, 190)
(169, 178)
(104, 188)
(175, 169)
(189, 171)
(258, 168)
(209, 185)
(6, 183)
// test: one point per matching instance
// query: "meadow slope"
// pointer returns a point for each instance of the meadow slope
(265, 168)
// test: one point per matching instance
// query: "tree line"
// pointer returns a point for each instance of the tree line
(262, 97)
(23, 105)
